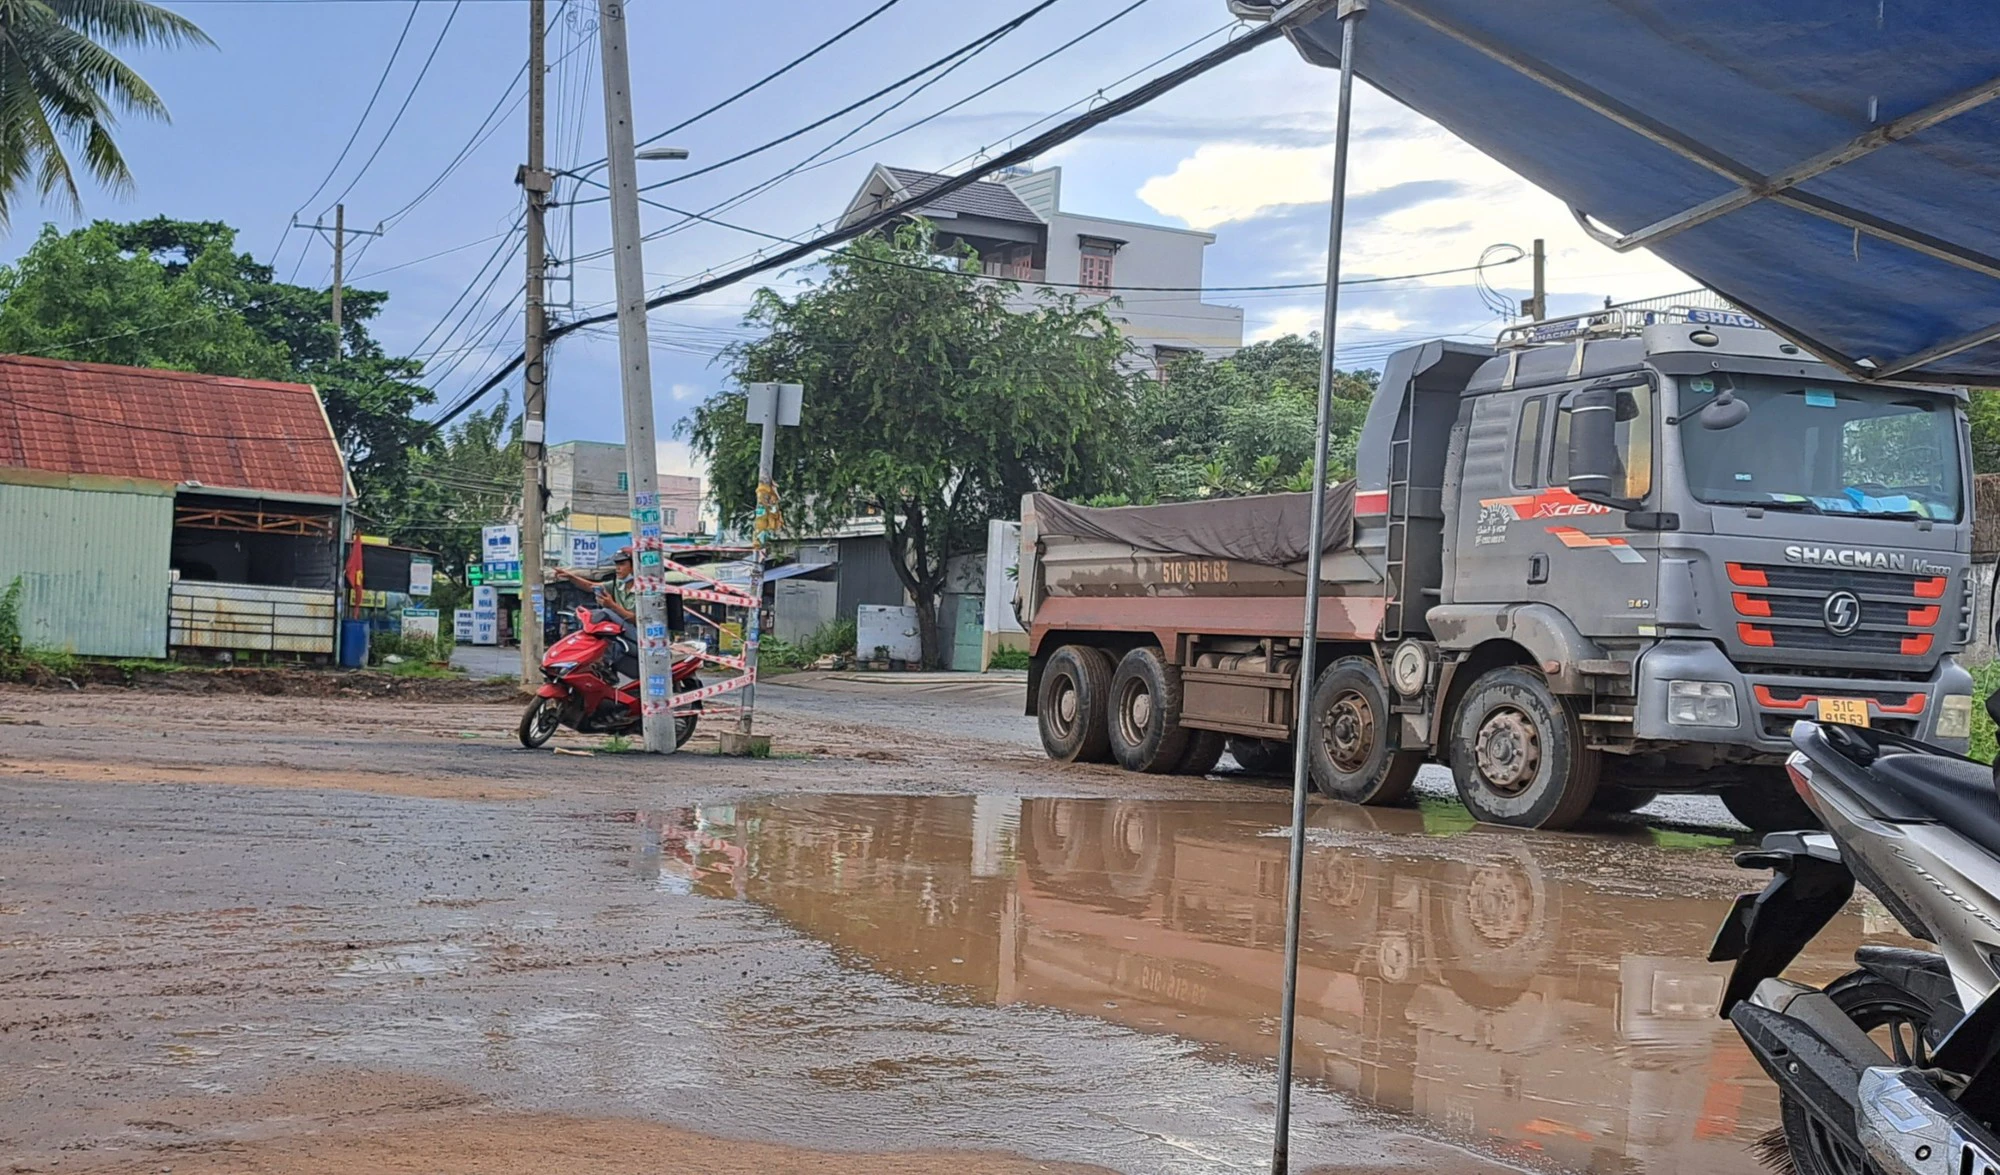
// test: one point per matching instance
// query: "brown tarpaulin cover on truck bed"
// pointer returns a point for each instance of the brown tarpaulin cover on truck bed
(1270, 528)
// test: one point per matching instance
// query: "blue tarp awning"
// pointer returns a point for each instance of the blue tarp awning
(1831, 166)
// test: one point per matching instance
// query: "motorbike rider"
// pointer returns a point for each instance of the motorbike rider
(615, 596)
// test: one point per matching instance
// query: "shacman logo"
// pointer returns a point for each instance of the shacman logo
(1861, 560)
(1550, 503)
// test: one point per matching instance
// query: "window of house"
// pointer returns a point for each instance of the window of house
(1094, 270)
(1165, 357)
(1634, 437)
(624, 482)
(1528, 442)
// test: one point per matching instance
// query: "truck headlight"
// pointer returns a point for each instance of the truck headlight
(1955, 716)
(1701, 703)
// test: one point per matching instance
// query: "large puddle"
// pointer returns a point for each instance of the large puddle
(1544, 997)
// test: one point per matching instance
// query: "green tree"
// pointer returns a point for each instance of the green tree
(60, 85)
(930, 400)
(1245, 424)
(176, 294)
(465, 479)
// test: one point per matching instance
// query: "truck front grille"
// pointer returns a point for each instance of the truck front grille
(1783, 607)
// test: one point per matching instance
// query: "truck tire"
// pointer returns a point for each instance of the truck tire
(1518, 753)
(1349, 742)
(1262, 756)
(1203, 753)
(1765, 802)
(1145, 714)
(1071, 708)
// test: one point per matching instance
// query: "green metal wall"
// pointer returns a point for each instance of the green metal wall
(92, 557)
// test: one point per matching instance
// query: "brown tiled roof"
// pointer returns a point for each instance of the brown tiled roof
(170, 426)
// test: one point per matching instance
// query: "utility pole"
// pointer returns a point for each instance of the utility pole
(339, 241)
(339, 272)
(536, 183)
(770, 406)
(635, 372)
(1537, 307)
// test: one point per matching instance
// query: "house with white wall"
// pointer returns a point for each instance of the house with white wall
(1017, 225)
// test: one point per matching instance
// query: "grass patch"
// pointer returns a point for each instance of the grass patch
(1009, 659)
(423, 669)
(1985, 679)
(618, 744)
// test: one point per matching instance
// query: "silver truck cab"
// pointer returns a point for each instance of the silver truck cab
(1732, 536)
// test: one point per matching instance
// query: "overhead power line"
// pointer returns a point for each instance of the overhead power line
(971, 46)
(407, 98)
(355, 134)
(1044, 142)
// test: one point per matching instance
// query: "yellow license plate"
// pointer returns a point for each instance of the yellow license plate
(1846, 711)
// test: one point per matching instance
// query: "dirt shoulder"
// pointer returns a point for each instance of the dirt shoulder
(386, 1123)
(280, 682)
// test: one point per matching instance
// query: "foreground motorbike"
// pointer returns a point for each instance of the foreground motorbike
(1920, 828)
(582, 690)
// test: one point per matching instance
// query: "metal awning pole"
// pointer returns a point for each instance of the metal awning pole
(1350, 15)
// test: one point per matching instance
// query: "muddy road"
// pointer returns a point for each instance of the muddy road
(304, 935)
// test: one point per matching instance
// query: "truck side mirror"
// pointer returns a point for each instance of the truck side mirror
(1595, 472)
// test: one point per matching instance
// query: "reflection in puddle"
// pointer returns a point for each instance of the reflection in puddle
(1512, 990)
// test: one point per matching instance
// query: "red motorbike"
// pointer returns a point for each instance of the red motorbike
(582, 690)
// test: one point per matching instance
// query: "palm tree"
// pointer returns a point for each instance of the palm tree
(61, 86)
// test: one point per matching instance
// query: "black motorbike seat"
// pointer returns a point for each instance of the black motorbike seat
(1955, 793)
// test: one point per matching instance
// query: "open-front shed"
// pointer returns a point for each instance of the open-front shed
(149, 510)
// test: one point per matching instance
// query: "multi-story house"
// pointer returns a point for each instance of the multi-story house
(1015, 222)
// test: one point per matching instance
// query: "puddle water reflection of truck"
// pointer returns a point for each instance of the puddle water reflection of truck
(1523, 994)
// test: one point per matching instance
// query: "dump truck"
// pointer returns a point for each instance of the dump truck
(1608, 557)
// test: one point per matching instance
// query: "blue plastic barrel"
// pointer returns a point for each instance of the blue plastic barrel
(353, 643)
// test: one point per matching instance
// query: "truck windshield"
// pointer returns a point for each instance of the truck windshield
(1824, 448)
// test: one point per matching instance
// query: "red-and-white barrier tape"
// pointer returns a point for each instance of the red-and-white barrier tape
(683, 699)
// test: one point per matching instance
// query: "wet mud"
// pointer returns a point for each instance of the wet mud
(1544, 999)
(304, 935)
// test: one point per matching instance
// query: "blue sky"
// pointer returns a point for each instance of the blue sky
(1242, 152)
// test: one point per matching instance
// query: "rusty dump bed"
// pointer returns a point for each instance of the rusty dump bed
(1230, 567)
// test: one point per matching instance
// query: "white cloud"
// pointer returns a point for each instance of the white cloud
(683, 393)
(1232, 182)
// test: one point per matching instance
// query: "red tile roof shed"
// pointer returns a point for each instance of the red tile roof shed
(171, 426)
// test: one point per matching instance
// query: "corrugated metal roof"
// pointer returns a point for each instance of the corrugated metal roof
(171, 426)
(985, 198)
(93, 567)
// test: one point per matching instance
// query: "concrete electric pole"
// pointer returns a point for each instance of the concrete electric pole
(536, 183)
(635, 371)
(771, 406)
(339, 241)
(1537, 306)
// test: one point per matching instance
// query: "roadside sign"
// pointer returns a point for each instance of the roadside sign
(502, 544)
(485, 615)
(503, 572)
(420, 576)
(420, 623)
(584, 550)
(461, 625)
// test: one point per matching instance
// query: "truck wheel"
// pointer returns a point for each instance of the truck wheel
(1262, 756)
(1076, 688)
(1765, 802)
(1203, 753)
(1146, 731)
(1349, 742)
(1518, 754)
